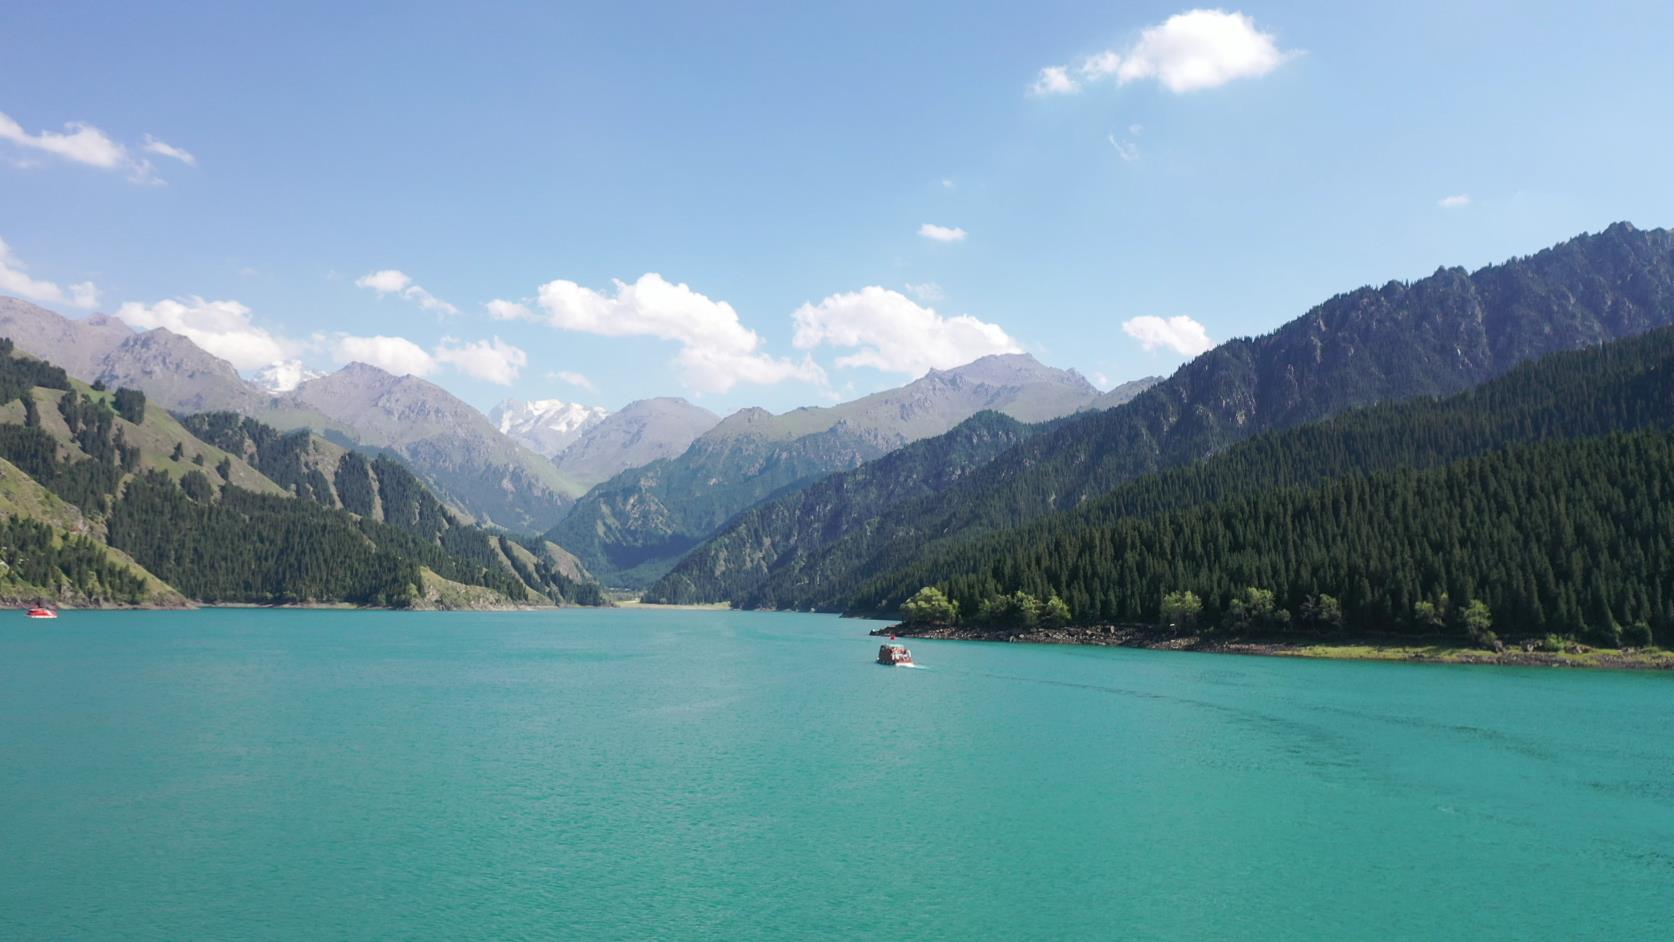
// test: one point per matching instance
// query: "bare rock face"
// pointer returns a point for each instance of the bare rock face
(642, 432)
(78, 345)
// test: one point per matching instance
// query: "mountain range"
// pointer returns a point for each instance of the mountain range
(110, 499)
(631, 528)
(1436, 336)
(545, 426)
(473, 467)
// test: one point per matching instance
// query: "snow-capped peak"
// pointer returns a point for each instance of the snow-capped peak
(547, 426)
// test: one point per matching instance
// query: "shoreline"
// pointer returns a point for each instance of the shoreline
(1408, 650)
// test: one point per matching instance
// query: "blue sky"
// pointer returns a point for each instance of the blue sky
(783, 162)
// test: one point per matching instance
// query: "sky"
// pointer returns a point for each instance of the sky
(791, 204)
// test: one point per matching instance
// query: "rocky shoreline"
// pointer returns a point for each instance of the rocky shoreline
(1425, 651)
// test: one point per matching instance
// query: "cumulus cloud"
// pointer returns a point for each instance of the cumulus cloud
(84, 144)
(1456, 201)
(716, 350)
(396, 355)
(224, 328)
(15, 280)
(1180, 334)
(164, 148)
(578, 380)
(891, 332)
(937, 233)
(493, 361)
(391, 281)
(1187, 52)
(1054, 80)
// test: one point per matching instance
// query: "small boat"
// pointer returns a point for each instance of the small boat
(41, 611)
(895, 655)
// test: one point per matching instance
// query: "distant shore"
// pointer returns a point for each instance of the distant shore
(1412, 650)
(693, 607)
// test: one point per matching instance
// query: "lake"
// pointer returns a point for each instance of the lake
(630, 774)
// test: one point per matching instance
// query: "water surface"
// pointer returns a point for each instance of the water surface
(238, 774)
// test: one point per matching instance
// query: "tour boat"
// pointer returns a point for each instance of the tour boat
(895, 655)
(42, 612)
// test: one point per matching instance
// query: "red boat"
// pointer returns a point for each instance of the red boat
(42, 612)
(895, 655)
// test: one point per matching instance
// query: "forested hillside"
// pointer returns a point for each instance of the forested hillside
(1569, 538)
(201, 516)
(1438, 335)
(778, 535)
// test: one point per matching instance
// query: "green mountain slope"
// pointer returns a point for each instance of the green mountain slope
(117, 483)
(1435, 336)
(776, 536)
(1566, 538)
(633, 527)
(1625, 386)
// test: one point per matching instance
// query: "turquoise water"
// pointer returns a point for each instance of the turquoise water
(700, 775)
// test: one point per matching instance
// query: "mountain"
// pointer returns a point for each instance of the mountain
(110, 499)
(633, 527)
(1435, 336)
(78, 345)
(775, 536)
(545, 426)
(451, 444)
(1095, 558)
(1122, 393)
(639, 434)
(474, 467)
(179, 374)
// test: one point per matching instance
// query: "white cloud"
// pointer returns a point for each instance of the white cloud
(155, 146)
(1127, 150)
(15, 280)
(579, 380)
(1187, 52)
(1180, 334)
(493, 361)
(80, 142)
(1456, 201)
(223, 328)
(396, 355)
(928, 292)
(84, 144)
(947, 184)
(1099, 379)
(387, 281)
(1054, 80)
(1201, 49)
(716, 350)
(284, 376)
(1100, 65)
(894, 334)
(509, 311)
(937, 233)
(391, 281)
